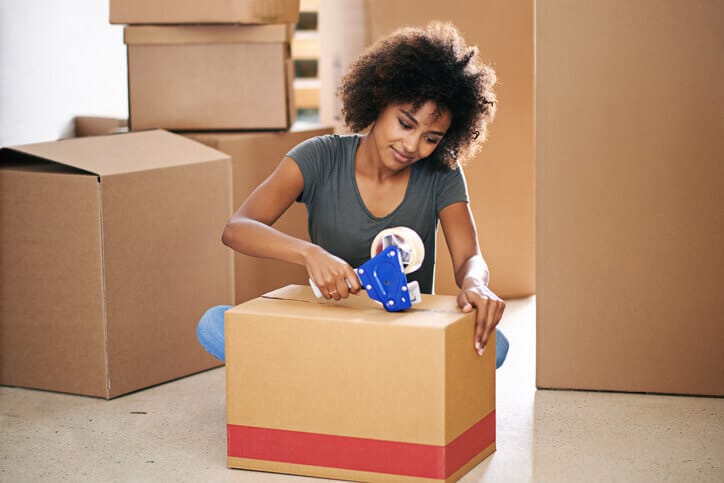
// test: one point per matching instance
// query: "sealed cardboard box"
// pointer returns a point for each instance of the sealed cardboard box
(209, 11)
(254, 156)
(210, 77)
(346, 390)
(109, 254)
(630, 188)
(501, 178)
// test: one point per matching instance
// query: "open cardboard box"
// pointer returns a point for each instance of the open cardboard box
(347, 390)
(210, 77)
(109, 255)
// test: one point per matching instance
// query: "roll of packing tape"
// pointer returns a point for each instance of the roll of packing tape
(407, 240)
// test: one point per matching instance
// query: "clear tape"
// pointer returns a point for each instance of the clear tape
(407, 240)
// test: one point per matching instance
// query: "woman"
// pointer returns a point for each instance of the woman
(427, 101)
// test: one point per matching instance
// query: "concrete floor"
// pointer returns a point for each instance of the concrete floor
(176, 431)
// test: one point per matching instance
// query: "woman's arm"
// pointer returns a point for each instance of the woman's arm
(249, 231)
(471, 272)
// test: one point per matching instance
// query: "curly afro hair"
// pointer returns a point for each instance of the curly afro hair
(414, 65)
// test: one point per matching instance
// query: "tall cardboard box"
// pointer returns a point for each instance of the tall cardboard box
(346, 390)
(630, 196)
(210, 77)
(254, 156)
(501, 178)
(109, 254)
(208, 11)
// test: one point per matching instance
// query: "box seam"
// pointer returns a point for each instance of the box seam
(289, 299)
(128, 83)
(289, 84)
(104, 302)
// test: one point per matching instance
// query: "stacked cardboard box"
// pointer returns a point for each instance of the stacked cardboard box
(221, 73)
(209, 65)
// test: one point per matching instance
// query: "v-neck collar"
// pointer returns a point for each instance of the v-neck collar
(352, 173)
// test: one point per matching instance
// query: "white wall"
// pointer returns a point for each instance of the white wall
(58, 59)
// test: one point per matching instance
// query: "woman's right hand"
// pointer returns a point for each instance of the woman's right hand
(335, 278)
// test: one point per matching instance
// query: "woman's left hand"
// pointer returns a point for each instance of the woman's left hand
(489, 307)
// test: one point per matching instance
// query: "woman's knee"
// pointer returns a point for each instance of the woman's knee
(501, 348)
(210, 331)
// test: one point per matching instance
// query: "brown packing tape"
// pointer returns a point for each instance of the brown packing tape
(352, 303)
(303, 293)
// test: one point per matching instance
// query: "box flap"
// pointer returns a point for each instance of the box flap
(51, 282)
(124, 153)
(201, 34)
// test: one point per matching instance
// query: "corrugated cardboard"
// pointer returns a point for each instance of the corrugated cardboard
(98, 126)
(254, 156)
(630, 196)
(501, 179)
(208, 11)
(109, 255)
(210, 77)
(347, 390)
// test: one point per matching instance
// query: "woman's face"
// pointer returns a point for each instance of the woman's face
(404, 136)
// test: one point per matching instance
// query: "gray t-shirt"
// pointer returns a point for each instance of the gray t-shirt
(339, 221)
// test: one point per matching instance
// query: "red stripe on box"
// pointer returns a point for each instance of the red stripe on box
(361, 454)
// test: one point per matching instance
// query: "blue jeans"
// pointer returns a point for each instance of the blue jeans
(210, 332)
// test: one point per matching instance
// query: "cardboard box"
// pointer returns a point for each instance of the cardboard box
(209, 11)
(501, 178)
(630, 217)
(109, 255)
(85, 126)
(254, 156)
(218, 77)
(346, 390)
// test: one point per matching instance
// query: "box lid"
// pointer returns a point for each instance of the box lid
(433, 311)
(209, 11)
(123, 153)
(201, 34)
